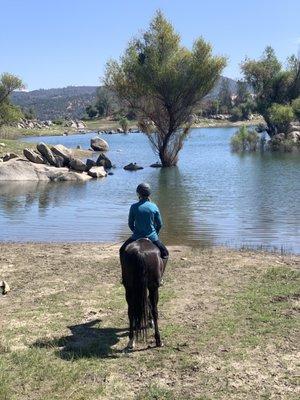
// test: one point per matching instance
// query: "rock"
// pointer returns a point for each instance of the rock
(77, 165)
(78, 147)
(90, 163)
(279, 137)
(2, 145)
(18, 169)
(156, 165)
(61, 161)
(5, 287)
(34, 157)
(73, 176)
(9, 156)
(97, 172)
(132, 167)
(80, 125)
(98, 144)
(103, 161)
(47, 153)
(62, 151)
(294, 136)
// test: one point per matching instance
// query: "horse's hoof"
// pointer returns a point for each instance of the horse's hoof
(159, 344)
(151, 324)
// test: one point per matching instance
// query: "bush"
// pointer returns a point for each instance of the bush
(123, 121)
(244, 140)
(296, 107)
(281, 116)
(236, 114)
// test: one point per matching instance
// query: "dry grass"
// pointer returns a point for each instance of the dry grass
(228, 319)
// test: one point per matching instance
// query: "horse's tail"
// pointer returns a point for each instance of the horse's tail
(140, 295)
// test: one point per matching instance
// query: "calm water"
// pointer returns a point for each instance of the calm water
(212, 197)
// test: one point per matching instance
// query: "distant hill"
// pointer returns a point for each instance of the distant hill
(71, 101)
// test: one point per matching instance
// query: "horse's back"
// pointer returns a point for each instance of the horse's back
(143, 252)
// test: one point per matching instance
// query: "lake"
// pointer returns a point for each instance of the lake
(213, 196)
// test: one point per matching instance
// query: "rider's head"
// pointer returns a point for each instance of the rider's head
(143, 190)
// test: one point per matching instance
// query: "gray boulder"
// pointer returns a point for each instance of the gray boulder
(9, 156)
(18, 169)
(77, 165)
(62, 151)
(34, 157)
(47, 153)
(98, 144)
(90, 163)
(294, 136)
(103, 161)
(97, 172)
(132, 167)
(73, 176)
(156, 165)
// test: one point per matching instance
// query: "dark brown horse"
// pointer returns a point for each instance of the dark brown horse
(142, 270)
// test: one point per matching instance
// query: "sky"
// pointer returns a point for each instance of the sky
(57, 43)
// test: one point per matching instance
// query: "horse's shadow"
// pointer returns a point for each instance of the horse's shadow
(85, 341)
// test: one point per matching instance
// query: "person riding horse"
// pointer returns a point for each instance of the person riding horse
(143, 261)
(145, 221)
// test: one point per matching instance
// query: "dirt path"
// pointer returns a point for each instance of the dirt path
(228, 319)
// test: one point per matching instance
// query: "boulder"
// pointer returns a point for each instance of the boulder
(279, 137)
(61, 161)
(132, 167)
(156, 165)
(90, 163)
(80, 125)
(62, 151)
(34, 157)
(18, 169)
(9, 156)
(2, 145)
(47, 153)
(77, 165)
(98, 144)
(97, 172)
(294, 136)
(103, 161)
(73, 176)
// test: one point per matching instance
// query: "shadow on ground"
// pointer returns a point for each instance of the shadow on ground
(85, 341)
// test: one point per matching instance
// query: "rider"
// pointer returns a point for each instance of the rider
(145, 221)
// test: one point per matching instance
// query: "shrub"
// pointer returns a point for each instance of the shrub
(296, 107)
(123, 121)
(281, 116)
(236, 114)
(244, 140)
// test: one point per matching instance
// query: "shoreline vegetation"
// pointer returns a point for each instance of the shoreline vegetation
(12, 136)
(228, 319)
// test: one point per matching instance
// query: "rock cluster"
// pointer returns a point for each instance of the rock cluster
(36, 124)
(55, 164)
(292, 136)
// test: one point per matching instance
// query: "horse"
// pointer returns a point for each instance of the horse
(142, 270)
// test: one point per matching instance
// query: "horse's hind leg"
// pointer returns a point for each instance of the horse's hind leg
(153, 296)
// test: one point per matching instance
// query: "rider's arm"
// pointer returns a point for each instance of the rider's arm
(131, 219)
(157, 221)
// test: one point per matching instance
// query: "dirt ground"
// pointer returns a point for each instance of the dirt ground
(229, 321)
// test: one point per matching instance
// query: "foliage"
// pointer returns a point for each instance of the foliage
(106, 103)
(29, 113)
(271, 83)
(91, 111)
(124, 123)
(296, 107)
(163, 82)
(8, 112)
(244, 140)
(242, 111)
(281, 116)
(224, 96)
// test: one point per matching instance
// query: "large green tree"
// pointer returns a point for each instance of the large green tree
(163, 82)
(272, 83)
(8, 112)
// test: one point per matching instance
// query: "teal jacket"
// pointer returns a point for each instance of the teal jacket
(144, 220)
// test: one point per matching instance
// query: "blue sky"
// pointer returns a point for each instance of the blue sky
(56, 43)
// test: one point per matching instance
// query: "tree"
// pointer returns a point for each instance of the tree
(91, 111)
(123, 121)
(271, 83)
(281, 116)
(225, 96)
(242, 92)
(163, 82)
(8, 112)
(296, 107)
